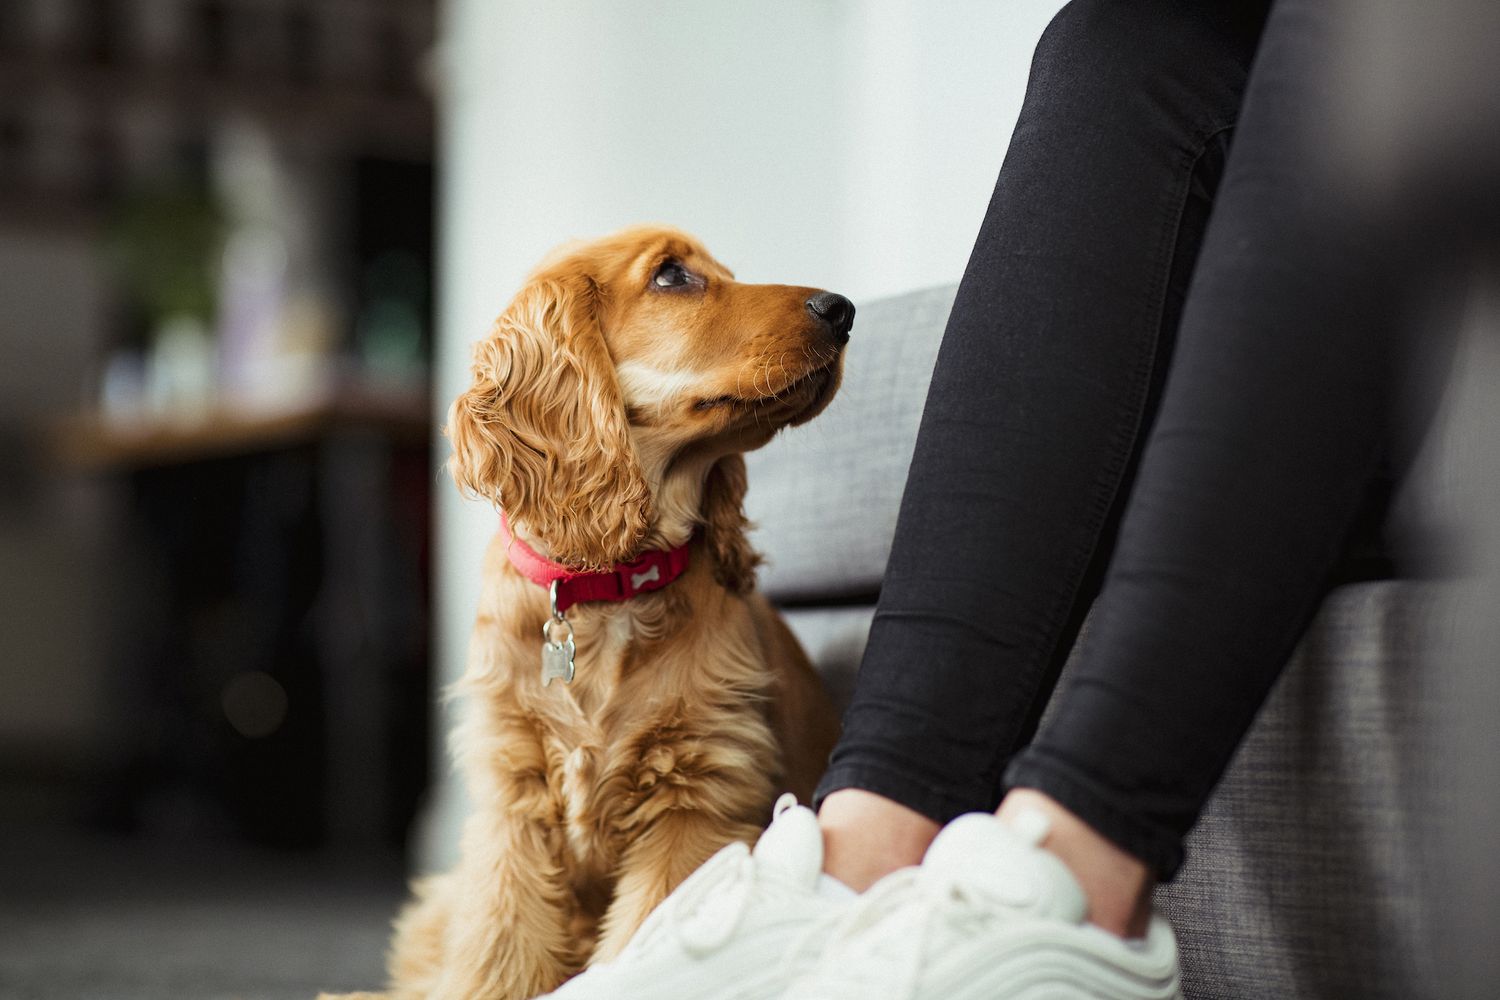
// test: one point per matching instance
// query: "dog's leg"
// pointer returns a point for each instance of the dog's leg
(507, 932)
(655, 864)
(416, 956)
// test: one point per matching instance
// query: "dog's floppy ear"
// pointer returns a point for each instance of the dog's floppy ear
(725, 525)
(542, 432)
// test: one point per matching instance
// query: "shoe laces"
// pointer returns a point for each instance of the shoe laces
(876, 946)
(706, 909)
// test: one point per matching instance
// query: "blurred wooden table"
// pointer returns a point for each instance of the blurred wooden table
(94, 441)
(281, 555)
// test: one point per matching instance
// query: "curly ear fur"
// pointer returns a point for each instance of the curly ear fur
(542, 431)
(725, 525)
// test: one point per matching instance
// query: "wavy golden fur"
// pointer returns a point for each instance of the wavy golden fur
(608, 413)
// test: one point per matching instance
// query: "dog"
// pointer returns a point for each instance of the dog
(613, 745)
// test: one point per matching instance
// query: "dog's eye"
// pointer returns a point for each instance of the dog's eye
(671, 275)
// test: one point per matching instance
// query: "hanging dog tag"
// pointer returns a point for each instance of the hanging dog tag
(557, 661)
(557, 644)
(557, 648)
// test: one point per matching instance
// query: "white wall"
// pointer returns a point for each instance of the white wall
(848, 145)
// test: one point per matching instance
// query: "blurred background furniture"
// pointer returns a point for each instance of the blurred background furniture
(216, 473)
(216, 228)
(267, 645)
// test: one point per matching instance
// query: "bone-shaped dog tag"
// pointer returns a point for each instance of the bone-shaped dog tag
(557, 644)
(557, 661)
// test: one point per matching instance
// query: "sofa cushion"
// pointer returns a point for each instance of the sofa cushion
(1305, 876)
(824, 496)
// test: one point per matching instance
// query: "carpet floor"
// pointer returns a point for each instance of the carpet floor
(87, 918)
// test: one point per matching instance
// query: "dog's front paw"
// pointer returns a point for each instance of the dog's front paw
(352, 996)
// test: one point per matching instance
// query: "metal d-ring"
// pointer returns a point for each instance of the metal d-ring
(556, 619)
(552, 638)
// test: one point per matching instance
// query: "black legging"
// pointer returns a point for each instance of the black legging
(1060, 456)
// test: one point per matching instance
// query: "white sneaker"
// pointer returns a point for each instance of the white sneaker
(989, 915)
(728, 929)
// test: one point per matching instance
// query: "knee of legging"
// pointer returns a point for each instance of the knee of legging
(1096, 55)
(1078, 33)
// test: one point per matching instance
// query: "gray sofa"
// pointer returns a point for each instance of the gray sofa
(1305, 878)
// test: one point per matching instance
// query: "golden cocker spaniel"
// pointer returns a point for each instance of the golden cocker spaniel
(609, 411)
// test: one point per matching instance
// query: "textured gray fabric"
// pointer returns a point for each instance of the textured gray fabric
(825, 495)
(1305, 877)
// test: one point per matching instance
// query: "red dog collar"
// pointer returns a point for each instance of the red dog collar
(651, 571)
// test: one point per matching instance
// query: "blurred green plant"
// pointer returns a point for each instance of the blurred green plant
(167, 243)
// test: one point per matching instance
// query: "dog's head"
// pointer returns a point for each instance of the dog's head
(627, 362)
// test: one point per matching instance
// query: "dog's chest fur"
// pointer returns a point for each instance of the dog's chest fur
(590, 776)
(662, 708)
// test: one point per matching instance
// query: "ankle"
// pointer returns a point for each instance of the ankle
(1118, 884)
(867, 836)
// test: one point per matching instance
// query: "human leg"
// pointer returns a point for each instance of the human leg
(1044, 385)
(1272, 427)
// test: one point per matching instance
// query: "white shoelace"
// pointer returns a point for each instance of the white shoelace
(706, 911)
(708, 907)
(860, 955)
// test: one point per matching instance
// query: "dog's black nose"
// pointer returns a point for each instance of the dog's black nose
(836, 311)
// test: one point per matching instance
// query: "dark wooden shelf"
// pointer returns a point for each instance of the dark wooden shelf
(92, 442)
